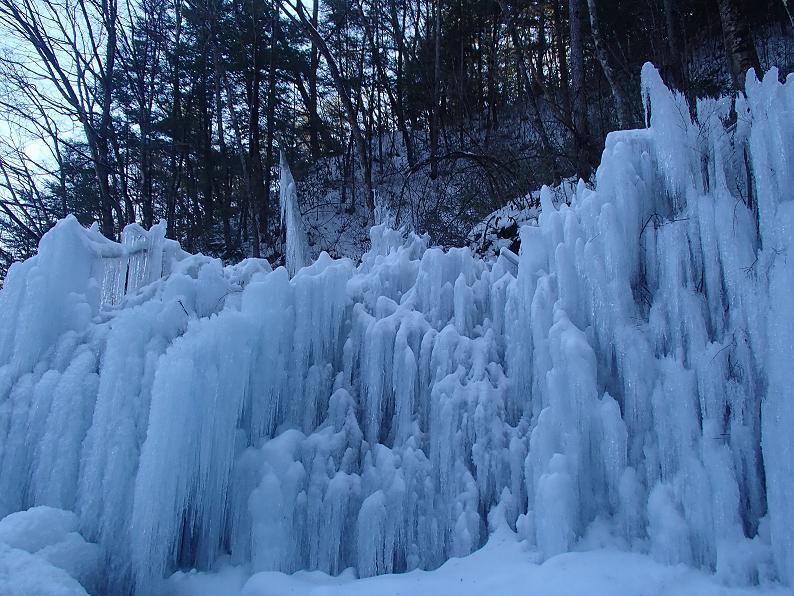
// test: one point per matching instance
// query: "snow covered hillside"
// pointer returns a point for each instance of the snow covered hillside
(630, 385)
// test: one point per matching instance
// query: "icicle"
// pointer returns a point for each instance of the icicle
(298, 253)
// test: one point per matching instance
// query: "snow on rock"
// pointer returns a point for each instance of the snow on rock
(501, 229)
(628, 384)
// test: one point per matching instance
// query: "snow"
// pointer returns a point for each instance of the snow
(620, 394)
(501, 568)
(42, 553)
(22, 574)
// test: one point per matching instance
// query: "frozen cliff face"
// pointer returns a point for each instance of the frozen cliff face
(634, 378)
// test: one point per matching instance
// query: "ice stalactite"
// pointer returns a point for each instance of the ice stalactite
(297, 251)
(632, 379)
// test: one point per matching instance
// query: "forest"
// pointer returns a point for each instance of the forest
(441, 111)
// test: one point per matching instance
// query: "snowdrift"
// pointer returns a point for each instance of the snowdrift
(631, 381)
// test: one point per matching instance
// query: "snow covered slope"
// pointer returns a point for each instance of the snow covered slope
(631, 384)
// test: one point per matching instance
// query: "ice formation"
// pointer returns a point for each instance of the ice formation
(634, 376)
(298, 253)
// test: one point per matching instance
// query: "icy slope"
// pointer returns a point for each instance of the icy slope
(620, 383)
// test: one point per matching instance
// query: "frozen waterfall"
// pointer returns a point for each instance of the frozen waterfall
(634, 379)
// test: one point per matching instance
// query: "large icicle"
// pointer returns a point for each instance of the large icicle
(297, 253)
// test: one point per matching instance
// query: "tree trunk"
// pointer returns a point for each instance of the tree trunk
(738, 41)
(581, 133)
(271, 107)
(225, 194)
(562, 57)
(175, 117)
(436, 106)
(399, 85)
(314, 65)
(103, 170)
(493, 113)
(675, 44)
(248, 215)
(622, 102)
(534, 112)
(207, 163)
(326, 138)
(787, 8)
(394, 97)
(259, 194)
(540, 55)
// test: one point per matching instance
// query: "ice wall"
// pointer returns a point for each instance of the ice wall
(618, 388)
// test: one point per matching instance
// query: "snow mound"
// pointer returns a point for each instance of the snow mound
(23, 574)
(628, 385)
(37, 528)
(41, 552)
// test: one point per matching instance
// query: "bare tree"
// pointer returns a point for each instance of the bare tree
(73, 52)
(578, 100)
(297, 13)
(142, 44)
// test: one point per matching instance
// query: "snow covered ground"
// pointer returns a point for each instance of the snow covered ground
(614, 412)
(502, 567)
